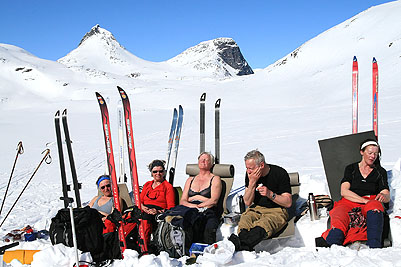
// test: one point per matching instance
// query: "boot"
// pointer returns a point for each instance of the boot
(252, 237)
(236, 241)
(374, 221)
(209, 236)
(335, 237)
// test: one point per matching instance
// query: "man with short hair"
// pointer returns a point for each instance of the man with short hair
(267, 195)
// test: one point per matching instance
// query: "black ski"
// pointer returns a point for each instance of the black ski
(77, 185)
(65, 186)
(202, 123)
(217, 130)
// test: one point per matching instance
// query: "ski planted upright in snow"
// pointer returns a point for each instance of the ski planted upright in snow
(355, 95)
(77, 185)
(202, 123)
(171, 137)
(65, 186)
(176, 143)
(122, 178)
(132, 161)
(217, 130)
(111, 166)
(375, 103)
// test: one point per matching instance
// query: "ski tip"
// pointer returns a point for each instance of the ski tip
(354, 59)
(100, 98)
(64, 112)
(119, 88)
(180, 108)
(217, 104)
(57, 113)
(123, 94)
(374, 60)
(203, 97)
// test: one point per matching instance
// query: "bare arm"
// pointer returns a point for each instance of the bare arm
(249, 194)
(383, 196)
(348, 194)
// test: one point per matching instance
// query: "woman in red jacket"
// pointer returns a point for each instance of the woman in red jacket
(157, 195)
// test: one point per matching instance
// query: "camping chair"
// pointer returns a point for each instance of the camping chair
(289, 229)
(336, 154)
(226, 173)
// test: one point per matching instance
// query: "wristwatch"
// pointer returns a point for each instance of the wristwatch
(273, 196)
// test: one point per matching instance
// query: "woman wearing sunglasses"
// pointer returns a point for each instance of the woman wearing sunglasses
(104, 203)
(157, 195)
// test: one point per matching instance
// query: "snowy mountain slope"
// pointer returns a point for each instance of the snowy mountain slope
(27, 77)
(99, 54)
(222, 56)
(282, 110)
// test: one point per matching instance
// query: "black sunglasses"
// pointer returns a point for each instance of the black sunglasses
(161, 171)
(107, 185)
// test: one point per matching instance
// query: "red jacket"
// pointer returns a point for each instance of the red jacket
(163, 195)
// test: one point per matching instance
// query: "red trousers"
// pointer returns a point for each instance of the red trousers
(341, 220)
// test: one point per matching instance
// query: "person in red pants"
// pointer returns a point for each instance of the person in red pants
(157, 195)
(364, 189)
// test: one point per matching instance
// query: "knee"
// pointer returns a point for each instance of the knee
(374, 205)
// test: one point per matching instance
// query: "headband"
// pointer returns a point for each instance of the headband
(369, 143)
(102, 179)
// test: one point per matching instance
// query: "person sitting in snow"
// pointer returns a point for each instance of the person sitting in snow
(103, 204)
(157, 195)
(364, 189)
(202, 193)
(267, 195)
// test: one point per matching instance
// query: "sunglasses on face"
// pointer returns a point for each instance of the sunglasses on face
(103, 187)
(161, 171)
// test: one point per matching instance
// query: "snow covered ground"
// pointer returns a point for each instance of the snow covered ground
(282, 110)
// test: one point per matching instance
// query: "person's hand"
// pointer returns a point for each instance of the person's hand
(264, 191)
(380, 197)
(255, 174)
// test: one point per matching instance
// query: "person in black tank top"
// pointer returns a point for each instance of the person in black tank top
(203, 192)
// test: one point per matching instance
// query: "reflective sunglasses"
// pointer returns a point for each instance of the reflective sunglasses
(107, 185)
(161, 171)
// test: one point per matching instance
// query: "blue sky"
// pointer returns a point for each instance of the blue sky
(265, 30)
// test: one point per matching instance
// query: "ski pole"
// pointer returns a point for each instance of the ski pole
(20, 150)
(46, 158)
(74, 235)
(4, 248)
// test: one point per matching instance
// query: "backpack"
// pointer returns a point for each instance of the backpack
(88, 229)
(170, 238)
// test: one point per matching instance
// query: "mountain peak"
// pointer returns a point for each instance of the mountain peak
(100, 33)
(222, 55)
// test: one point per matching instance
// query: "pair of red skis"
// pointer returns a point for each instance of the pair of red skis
(375, 85)
(132, 163)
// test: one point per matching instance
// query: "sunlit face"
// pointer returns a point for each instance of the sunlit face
(204, 162)
(370, 154)
(158, 173)
(251, 165)
(105, 188)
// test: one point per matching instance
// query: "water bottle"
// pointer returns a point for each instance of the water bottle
(312, 207)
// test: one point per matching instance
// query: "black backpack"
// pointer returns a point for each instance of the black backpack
(171, 239)
(88, 229)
